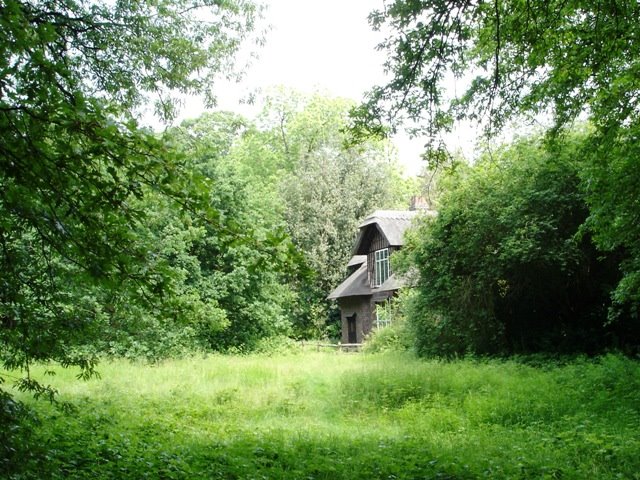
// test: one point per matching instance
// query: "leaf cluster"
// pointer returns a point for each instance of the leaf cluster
(76, 169)
(528, 62)
(515, 57)
(507, 266)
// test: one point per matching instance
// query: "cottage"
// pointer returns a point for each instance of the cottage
(371, 283)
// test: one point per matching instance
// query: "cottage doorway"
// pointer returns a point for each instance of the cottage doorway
(351, 329)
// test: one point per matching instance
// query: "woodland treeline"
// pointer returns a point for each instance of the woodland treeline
(536, 246)
(245, 252)
(214, 235)
(224, 233)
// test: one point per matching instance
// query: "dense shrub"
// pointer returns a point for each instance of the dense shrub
(399, 335)
(16, 426)
(507, 265)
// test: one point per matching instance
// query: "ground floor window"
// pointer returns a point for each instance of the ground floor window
(384, 314)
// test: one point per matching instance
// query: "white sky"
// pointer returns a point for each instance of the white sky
(317, 45)
(327, 44)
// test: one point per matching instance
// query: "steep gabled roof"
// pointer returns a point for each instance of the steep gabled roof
(357, 260)
(390, 223)
(356, 284)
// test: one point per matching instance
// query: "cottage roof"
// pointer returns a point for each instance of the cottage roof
(356, 284)
(391, 223)
(357, 260)
(392, 283)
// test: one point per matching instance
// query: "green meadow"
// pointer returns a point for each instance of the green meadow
(340, 416)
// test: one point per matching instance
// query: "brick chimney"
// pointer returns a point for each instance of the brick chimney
(418, 203)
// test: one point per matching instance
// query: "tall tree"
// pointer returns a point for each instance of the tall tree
(505, 266)
(561, 58)
(73, 160)
(330, 188)
(244, 259)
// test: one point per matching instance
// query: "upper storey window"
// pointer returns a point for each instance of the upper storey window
(380, 267)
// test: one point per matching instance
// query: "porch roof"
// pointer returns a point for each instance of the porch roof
(356, 284)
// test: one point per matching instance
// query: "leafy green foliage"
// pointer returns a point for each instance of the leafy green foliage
(506, 265)
(373, 416)
(522, 56)
(75, 168)
(229, 276)
(310, 180)
(520, 60)
(398, 336)
(611, 180)
(16, 423)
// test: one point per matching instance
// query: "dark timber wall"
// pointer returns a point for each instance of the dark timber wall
(365, 309)
(378, 242)
(361, 306)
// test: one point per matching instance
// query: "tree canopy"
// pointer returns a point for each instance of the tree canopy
(74, 163)
(318, 186)
(507, 267)
(522, 58)
(522, 61)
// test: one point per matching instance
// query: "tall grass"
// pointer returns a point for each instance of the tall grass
(345, 416)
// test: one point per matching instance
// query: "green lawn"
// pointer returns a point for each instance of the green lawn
(334, 416)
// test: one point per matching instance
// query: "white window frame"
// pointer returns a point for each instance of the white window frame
(384, 314)
(381, 267)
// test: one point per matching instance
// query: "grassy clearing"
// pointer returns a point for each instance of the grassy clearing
(333, 416)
